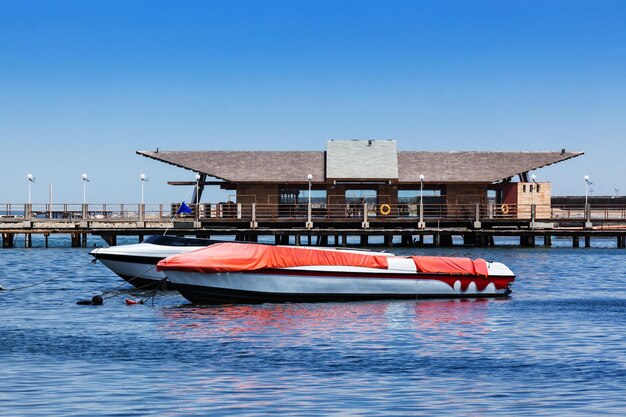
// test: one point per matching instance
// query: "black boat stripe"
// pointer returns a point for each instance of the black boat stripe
(148, 260)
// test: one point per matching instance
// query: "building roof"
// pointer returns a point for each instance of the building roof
(247, 166)
(362, 159)
(474, 167)
(293, 167)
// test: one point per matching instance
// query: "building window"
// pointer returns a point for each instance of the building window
(288, 197)
(413, 196)
(363, 196)
(301, 196)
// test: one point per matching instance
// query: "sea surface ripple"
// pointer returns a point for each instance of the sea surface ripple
(557, 346)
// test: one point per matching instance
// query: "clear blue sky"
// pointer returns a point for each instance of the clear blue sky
(84, 84)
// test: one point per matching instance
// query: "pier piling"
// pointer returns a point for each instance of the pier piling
(470, 239)
(445, 241)
(547, 240)
(8, 240)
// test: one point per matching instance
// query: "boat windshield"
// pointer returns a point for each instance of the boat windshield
(178, 241)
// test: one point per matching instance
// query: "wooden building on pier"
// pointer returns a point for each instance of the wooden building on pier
(371, 171)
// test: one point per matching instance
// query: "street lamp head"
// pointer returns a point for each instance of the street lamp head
(422, 177)
(533, 177)
(30, 177)
(85, 178)
(586, 177)
(309, 177)
(142, 177)
(197, 177)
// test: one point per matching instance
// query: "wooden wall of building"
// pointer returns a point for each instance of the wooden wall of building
(462, 198)
(529, 193)
(519, 197)
(257, 193)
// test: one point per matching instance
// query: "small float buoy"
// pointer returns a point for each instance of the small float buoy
(130, 302)
(96, 300)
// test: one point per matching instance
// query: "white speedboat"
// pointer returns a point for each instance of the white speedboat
(137, 263)
(232, 272)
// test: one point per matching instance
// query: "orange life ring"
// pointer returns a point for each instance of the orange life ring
(504, 208)
(385, 209)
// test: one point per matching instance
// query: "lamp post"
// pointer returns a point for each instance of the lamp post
(197, 188)
(309, 223)
(143, 179)
(421, 224)
(142, 207)
(85, 181)
(532, 200)
(28, 210)
(588, 224)
(197, 196)
(309, 178)
(587, 184)
(31, 180)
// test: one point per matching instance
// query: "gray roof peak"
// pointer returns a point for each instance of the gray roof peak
(362, 159)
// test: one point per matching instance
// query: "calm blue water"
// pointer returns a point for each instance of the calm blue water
(557, 346)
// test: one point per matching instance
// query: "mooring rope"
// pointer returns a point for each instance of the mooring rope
(111, 294)
(157, 287)
(129, 281)
(98, 299)
(93, 261)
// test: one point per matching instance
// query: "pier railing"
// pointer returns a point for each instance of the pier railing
(226, 212)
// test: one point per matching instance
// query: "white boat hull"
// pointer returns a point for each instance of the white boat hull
(299, 285)
(136, 263)
(138, 274)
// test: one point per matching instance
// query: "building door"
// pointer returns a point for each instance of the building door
(288, 203)
(355, 199)
(288, 197)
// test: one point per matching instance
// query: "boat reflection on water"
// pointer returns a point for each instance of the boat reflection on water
(232, 319)
(433, 314)
(361, 319)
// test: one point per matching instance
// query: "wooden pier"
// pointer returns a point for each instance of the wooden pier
(316, 224)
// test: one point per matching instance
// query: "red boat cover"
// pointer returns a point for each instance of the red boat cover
(231, 257)
(443, 265)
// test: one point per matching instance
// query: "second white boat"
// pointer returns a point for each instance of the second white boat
(136, 263)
